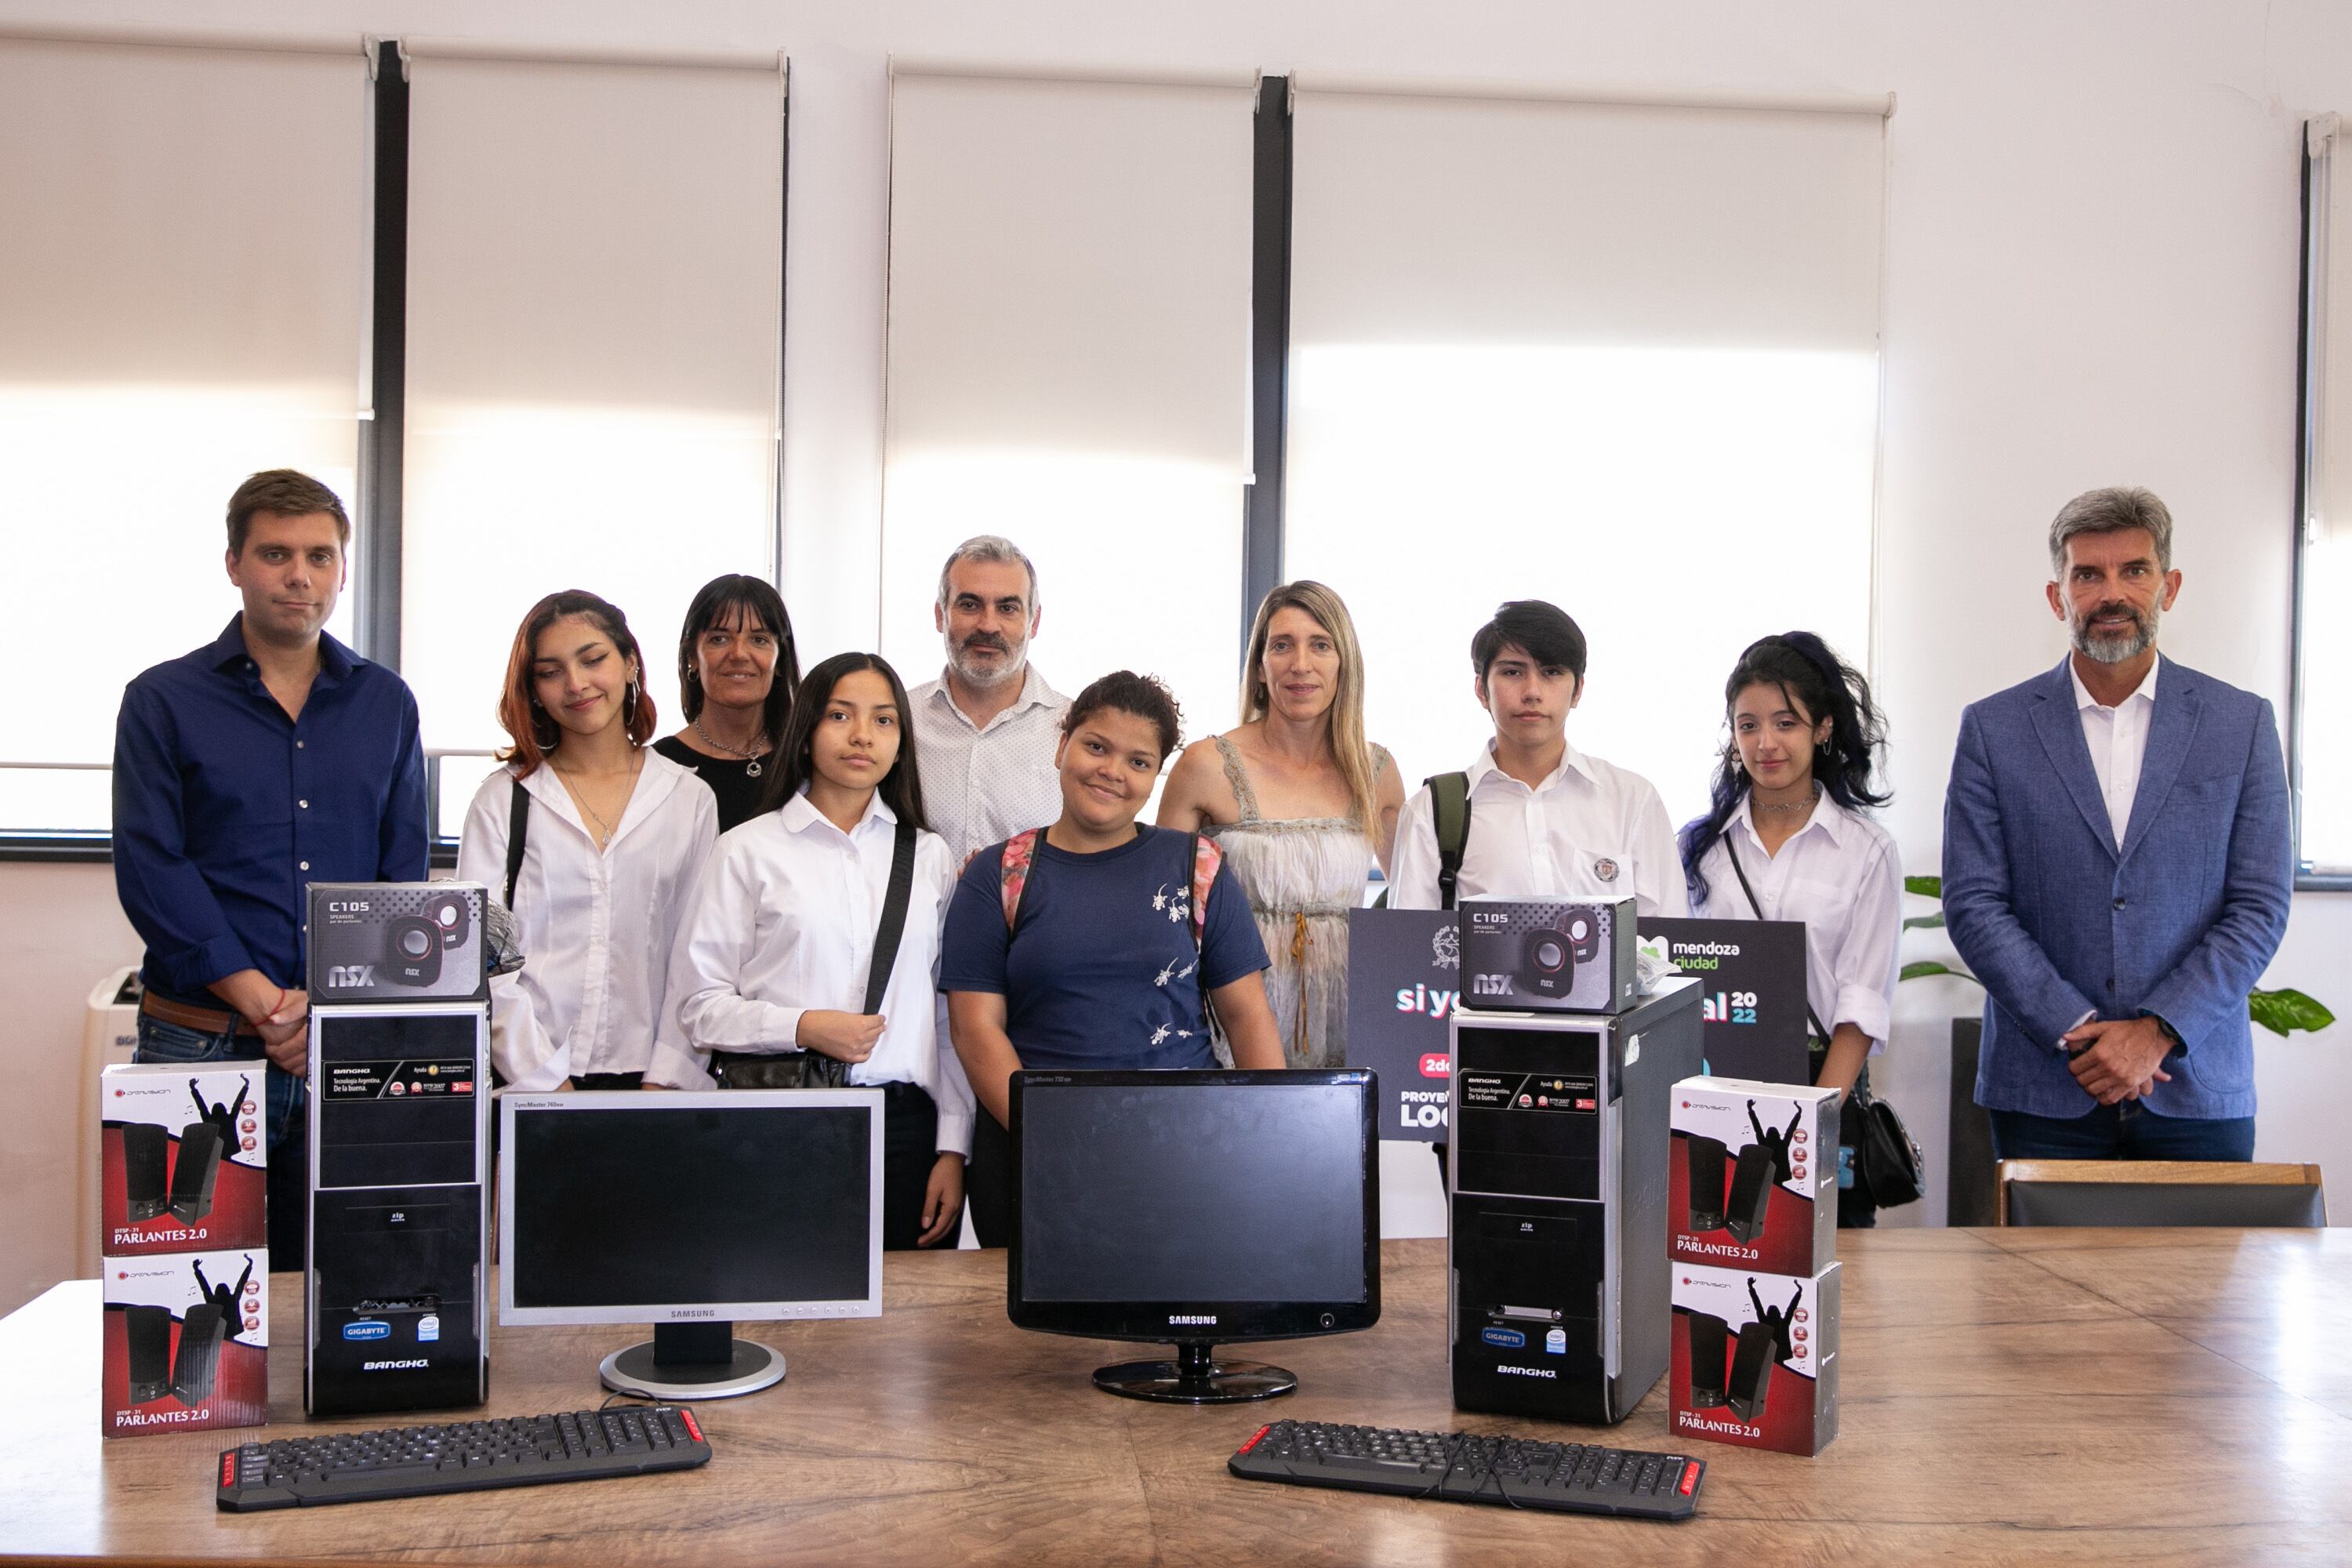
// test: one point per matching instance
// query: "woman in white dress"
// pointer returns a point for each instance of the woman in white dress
(1302, 804)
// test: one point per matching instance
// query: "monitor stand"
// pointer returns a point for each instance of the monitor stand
(1195, 1378)
(693, 1361)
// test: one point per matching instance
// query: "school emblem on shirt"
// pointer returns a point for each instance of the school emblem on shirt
(1605, 868)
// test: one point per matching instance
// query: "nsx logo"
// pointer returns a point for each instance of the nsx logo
(352, 976)
(1180, 1318)
(412, 1364)
(1490, 985)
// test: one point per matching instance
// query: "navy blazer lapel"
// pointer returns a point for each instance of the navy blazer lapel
(2060, 726)
(2171, 729)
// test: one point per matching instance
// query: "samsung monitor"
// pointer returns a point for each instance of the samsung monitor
(1194, 1209)
(690, 1212)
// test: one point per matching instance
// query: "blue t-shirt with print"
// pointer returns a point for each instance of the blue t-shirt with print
(1101, 973)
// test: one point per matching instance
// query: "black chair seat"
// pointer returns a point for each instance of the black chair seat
(2165, 1204)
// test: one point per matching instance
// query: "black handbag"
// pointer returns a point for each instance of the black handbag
(815, 1069)
(1888, 1167)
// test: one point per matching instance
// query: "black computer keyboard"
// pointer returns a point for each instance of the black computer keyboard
(1472, 1467)
(462, 1456)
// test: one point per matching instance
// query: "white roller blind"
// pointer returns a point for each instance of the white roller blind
(1620, 357)
(1069, 365)
(593, 288)
(2324, 834)
(182, 240)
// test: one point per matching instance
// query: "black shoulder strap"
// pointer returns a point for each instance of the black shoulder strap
(1449, 811)
(518, 825)
(1731, 853)
(894, 916)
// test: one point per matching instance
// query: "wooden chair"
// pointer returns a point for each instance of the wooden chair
(2157, 1193)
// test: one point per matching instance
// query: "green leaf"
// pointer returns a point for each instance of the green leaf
(1922, 922)
(1925, 887)
(1927, 966)
(2280, 1011)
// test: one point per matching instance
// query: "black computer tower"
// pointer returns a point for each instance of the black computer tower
(396, 1308)
(196, 1171)
(147, 1337)
(198, 1357)
(1558, 1290)
(146, 1170)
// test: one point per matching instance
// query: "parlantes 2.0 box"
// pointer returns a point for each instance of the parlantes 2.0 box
(183, 1158)
(186, 1341)
(1752, 1177)
(1754, 1358)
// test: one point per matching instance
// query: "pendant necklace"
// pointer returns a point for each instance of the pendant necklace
(751, 758)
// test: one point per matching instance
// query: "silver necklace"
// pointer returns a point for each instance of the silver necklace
(1805, 805)
(637, 759)
(751, 758)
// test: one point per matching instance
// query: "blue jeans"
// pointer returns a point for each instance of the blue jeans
(2125, 1130)
(284, 1124)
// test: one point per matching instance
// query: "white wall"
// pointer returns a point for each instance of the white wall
(2091, 277)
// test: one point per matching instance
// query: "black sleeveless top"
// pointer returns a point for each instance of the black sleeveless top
(729, 778)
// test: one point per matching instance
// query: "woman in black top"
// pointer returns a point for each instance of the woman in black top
(737, 671)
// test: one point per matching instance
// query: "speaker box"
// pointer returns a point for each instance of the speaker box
(148, 1333)
(199, 1354)
(1710, 1346)
(197, 1169)
(1751, 1192)
(146, 1158)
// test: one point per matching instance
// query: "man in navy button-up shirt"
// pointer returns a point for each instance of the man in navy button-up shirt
(243, 771)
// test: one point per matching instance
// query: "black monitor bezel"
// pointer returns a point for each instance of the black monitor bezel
(1229, 1322)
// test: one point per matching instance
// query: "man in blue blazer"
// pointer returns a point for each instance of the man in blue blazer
(2117, 866)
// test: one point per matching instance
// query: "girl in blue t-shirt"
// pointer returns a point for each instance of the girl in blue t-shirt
(1088, 953)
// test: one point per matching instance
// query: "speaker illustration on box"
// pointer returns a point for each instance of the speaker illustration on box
(195, 1173)
(147, 1334)
(198, 1359)
(146, 1171)
(1751, 1370)
(1710, 1344)
(415, 943)
(1703, 1192)
(1751, 1193)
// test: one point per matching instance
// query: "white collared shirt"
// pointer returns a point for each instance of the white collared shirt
(981, 784)
(595, 928)
(785, 920)
(1838, 874)
(2117, 738)
(1591, 830)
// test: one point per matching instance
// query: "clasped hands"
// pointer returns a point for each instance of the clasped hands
(2118, 1058)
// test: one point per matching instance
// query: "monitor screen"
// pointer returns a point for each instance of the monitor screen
(656, 1208)
(1248, 1197)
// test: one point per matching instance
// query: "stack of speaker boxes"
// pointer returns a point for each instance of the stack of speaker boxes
(1753, 1242)
(183, 1244)
(1556, 1300)
(395, 1302)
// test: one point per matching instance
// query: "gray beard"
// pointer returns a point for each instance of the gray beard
(2116, 649)
(987, 680)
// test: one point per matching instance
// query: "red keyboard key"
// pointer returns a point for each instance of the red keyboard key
(1690, 1477)
(1261, 1434)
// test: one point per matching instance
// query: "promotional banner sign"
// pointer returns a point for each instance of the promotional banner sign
(1753, 1009)
(1405, 972)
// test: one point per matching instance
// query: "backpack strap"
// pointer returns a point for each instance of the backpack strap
(518, 826)
(1449, 810)
(1013, 873)
(1206, 860)
(894, 916)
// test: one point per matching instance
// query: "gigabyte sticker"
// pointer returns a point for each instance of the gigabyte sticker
(370, 1328)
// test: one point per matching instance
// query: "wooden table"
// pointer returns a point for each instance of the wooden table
(2146, 1396)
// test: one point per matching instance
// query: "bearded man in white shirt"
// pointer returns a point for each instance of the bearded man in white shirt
(986, 730)
(1544, 819)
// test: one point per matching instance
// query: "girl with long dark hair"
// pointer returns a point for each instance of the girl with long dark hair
(776, 956)
(612, 835)
(1787, 839)
(737, 671)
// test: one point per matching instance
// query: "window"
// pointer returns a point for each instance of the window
(181, 303)
(1619, 356)
(2320, 752)
(1069, 366)
(594, 288)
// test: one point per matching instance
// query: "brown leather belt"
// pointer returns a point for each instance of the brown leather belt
(204, 1020)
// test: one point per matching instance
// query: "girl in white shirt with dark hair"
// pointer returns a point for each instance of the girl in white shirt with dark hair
(1787, 839)
(593, 840)
(777, 957)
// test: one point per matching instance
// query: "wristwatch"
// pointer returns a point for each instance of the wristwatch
(2170, 1032)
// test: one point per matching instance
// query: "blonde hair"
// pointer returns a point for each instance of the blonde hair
(1349, 747)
